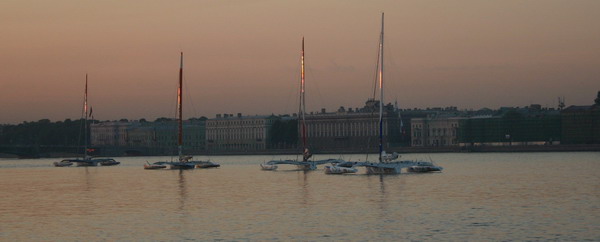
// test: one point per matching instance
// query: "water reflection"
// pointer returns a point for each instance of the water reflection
(303, 182)
(490, 197)
(182, 190)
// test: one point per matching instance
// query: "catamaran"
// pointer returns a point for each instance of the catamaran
(184, 161)
(306, 163)
(87, 160)
(387, 163)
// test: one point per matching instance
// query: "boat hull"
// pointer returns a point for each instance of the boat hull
(339, 170)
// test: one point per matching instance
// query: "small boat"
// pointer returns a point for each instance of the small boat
(109, 162)
(424, 166)
(149, 166)
(63, 163)
(333, 169)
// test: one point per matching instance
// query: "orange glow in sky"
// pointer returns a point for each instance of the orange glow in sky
(242, 55)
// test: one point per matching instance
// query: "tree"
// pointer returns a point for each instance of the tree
(162, 119)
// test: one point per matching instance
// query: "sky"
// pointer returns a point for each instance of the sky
(243, 56)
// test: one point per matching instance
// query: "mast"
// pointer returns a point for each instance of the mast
(381, 90)
(180, 109)
(85, 110)
(303, 105)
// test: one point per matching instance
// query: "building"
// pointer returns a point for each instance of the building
(352, 129)
(435, 131)
(108, 134)
(238, 133)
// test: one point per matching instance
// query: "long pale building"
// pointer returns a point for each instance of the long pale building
(238, 133)
(435, 131)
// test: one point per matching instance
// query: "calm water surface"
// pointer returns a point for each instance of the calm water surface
(492, 196)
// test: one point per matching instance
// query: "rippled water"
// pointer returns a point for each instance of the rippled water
(492, 196)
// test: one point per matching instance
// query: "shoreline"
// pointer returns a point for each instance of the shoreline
(116, 152)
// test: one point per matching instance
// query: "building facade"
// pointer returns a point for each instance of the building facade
(110, 133)
(435, 131)
(352, 129)
(238, 133)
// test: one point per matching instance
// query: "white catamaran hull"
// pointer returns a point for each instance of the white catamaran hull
(339, 170)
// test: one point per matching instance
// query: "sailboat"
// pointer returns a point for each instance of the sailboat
(87, 160)
(184, 161)
(387, 163)
(306, 163)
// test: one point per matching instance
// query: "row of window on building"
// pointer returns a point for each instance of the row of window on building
(350, 130)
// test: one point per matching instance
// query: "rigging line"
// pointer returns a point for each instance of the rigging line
(173, 98)
(291, 88)
(292, 78)
(376, 74)
(391, 70)
(189, 98)
(309, 71)
(82, 124)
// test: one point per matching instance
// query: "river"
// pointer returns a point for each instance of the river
(478, 196)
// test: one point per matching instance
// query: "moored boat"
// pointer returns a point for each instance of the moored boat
(184, 162)
(387, 163)
(86, 160)
(306, 163)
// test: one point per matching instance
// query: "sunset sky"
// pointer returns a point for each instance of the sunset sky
(243, 55)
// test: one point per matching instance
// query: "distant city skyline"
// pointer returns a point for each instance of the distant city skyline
(243, 56)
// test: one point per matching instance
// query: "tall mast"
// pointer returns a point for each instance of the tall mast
(302, 101)
(85, 109)
(381, 90)
(180, 108)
